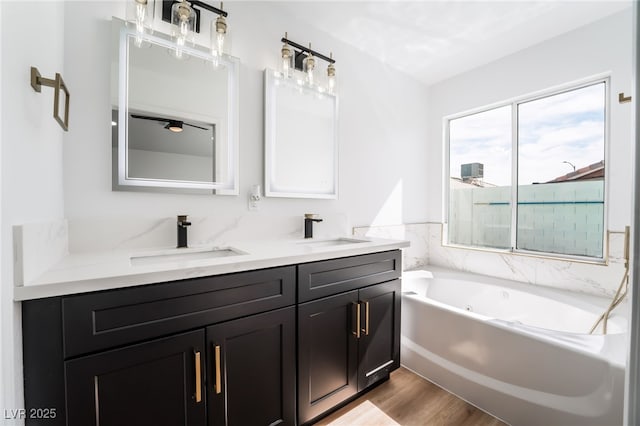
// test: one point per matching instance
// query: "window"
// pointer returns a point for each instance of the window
(529, 175)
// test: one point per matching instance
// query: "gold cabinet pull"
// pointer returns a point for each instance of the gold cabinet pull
(357, 332)
(198, 378)
(217, 361)
(366, 319)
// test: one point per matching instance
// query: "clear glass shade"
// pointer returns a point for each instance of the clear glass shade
(140, 13)
(285, 60)
(331, 78)
(308, 65)
(183, 19)
(218, 36)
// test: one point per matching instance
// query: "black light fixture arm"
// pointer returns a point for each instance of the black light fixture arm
(307, 50)
(210, 8)
(197, 4)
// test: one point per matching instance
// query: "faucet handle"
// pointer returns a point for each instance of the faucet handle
(182, 220)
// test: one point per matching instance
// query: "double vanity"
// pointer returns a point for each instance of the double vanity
(246, 333)
(253, 333)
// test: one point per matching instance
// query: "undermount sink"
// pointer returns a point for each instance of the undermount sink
(179, 255)
(332, 242)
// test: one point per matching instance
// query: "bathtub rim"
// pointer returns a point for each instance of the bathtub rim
(582, 300)
(613, 346)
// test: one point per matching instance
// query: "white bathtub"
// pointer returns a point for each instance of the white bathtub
(518, 351)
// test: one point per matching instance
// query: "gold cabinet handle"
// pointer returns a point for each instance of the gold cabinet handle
(357, 332)
(366, 319)
(217, 361)
(198, 378)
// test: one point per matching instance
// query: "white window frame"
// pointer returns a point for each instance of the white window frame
(514, 102)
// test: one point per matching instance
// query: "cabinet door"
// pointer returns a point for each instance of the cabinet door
(327, 353)
(158, 383)
(379, 344)
(251, 370)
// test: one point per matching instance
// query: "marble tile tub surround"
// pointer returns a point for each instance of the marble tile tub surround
(414, 256)
(427, 249)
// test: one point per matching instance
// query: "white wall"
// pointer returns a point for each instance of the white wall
(632, 410)
(3, 299)
(47, 175)
(31, 159)
(604, 46)
(381, 120)
(383, 176)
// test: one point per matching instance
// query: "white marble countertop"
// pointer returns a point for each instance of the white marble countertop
(86, 272)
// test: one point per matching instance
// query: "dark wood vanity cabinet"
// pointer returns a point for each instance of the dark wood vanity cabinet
(350, 340)
(247, 362)
(327, 354)
(157, 383)
(146, 356)
(217, 350)
(251, 370)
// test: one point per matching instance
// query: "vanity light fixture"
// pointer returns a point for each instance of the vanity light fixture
(194, 9)
(304, 59)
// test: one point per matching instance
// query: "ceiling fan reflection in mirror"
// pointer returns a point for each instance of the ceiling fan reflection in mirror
(172, 124)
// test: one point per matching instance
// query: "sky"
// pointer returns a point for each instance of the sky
(566, 127)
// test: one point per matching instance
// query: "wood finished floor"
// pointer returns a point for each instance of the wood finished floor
(407, 399)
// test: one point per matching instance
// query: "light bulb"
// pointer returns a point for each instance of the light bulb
(285, 59)
(183, 21)
(141, 14)
(331, 76)
(218, 33)
(308, 65)
(138, 14)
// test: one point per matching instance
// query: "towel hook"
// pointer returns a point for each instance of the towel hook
(623, 99)
(37, 81)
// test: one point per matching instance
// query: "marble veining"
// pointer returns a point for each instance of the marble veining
(99, 234)
(600, 280)
(49, 269)
(427, 249)
(413, 256)
(38, 247)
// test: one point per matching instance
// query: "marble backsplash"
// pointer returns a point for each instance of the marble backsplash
(39, 246)
(427, 249)
(88, 235)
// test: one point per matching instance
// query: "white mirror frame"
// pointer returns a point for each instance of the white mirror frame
(272, 80)
(232, 64)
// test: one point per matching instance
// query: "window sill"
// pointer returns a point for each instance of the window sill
(555, 257)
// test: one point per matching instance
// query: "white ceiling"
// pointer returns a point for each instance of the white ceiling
(434, 40)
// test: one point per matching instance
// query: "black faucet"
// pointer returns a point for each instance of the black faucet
(182, 230)
(308, 224)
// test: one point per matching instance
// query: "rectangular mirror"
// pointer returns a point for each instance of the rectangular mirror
(301, 143)
(174, 116)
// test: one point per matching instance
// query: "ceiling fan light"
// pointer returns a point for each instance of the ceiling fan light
(174, 126)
